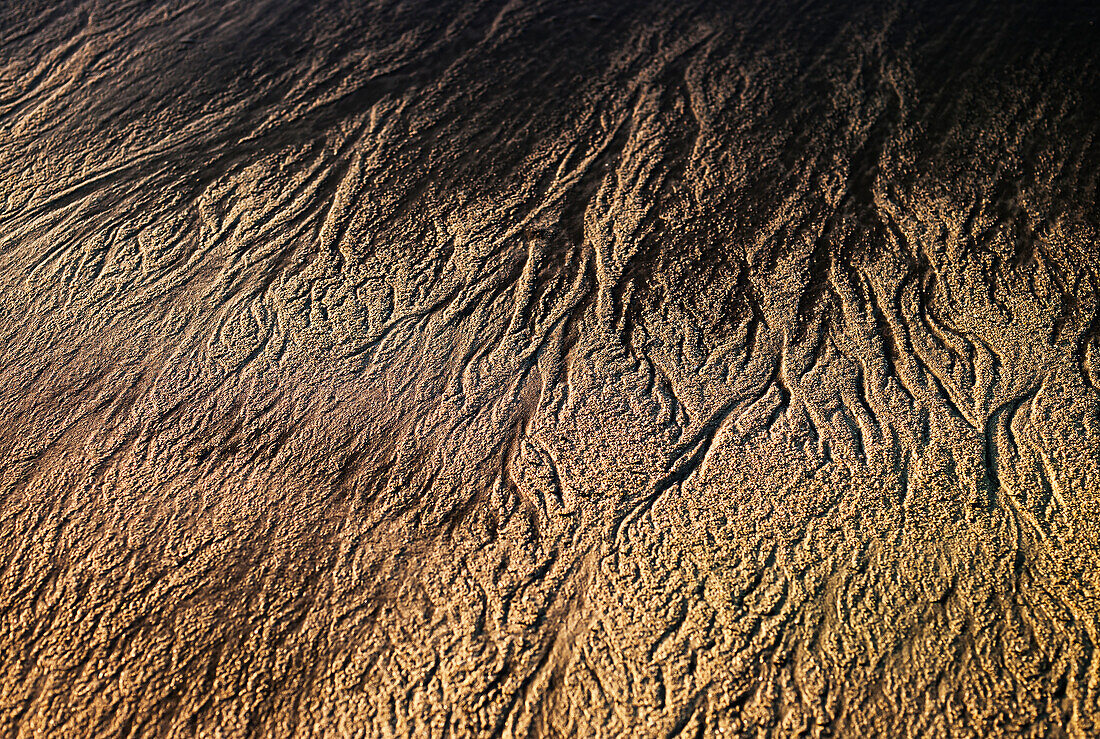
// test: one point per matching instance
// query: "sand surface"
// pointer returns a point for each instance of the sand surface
(549, 369)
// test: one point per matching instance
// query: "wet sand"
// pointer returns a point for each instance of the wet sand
(549, 369)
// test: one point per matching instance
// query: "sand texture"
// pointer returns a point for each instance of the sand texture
(410, 368)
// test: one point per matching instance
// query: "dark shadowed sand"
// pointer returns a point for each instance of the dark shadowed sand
(534, 369)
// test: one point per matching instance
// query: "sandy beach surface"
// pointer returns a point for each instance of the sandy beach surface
(548, 369)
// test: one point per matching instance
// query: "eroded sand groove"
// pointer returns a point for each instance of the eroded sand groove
(549, 369)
